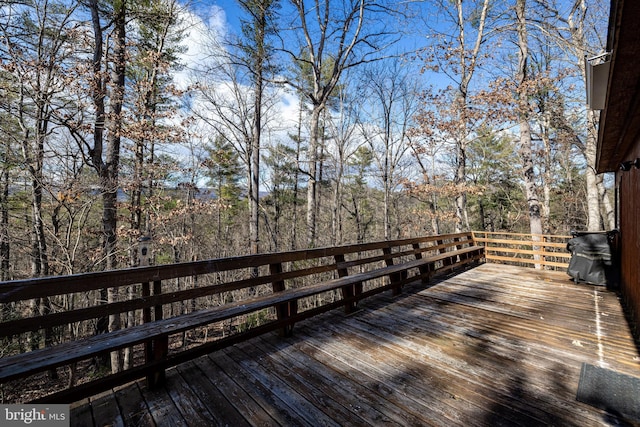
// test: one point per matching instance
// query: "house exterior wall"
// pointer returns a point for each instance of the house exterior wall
(629, 243)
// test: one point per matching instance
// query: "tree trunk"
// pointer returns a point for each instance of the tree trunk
(608, 212)
(136, 228)
(459, 180)
(296, 183)
(579, 45)
(312, 178)
(110, 170)
(320, 172)
(531, 192)
(547, 175)
(594, 219)
(435, 220)
(254, 197)
(98, 94)
(526, 151)
(5, 245)
(386, 179)
(259, 57)
(336, 217)
(39, 251)
(467, 63)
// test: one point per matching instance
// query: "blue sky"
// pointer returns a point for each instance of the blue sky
(413, 37)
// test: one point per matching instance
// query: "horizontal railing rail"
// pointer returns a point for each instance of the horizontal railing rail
(528, 250)
(54, 330)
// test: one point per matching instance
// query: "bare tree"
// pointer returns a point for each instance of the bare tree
(578, 32)
(234, 84)
(154, 56)
(342, 130)
(333, 36)
(256, 55)
(35, 44)
(597, 200)
(457, 54)
(391, 104)
(105, 158)
(526, 152)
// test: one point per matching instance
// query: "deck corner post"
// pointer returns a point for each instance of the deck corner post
(286, 309)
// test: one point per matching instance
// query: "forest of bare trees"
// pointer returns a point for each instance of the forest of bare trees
(264, 125)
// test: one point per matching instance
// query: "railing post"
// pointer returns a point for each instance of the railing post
(395, 278)
(286, 309)
(424, 269)
(459, 244)
(446, 261)
(159, 346)
(536, 238)
(348, 291)
(484, 239)
(144, 255)
(146, 318)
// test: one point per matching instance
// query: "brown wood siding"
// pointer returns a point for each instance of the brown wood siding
(629, 190)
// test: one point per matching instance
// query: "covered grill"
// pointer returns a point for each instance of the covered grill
(592, 257)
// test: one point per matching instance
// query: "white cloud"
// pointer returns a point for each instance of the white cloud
(288, 110)
(205, 29)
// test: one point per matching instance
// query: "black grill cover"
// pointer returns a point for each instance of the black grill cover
(591, 258)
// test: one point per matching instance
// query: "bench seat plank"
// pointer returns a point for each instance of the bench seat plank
(43, 359)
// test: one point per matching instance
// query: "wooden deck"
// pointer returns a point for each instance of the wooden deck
(495, 345)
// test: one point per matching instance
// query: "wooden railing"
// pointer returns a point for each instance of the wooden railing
(529, 250)
(53, 330)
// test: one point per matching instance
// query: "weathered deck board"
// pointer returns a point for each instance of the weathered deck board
(105, 407)
(325, 393)
(469, 370)
(229, 379)
(337, 385)
(201, 385)
(161, 407)
(134, 407)
(496, 345)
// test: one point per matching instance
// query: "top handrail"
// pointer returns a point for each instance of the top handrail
(512, 234)
(21, 289)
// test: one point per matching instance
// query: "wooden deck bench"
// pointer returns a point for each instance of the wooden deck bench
(155, 333)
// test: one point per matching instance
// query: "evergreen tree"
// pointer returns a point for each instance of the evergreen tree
(495, 192)
(280, 160)
(256, 55)
(361, 207)
(152, 98)
(224, 171)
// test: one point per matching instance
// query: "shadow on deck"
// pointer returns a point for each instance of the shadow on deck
(495, 345)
